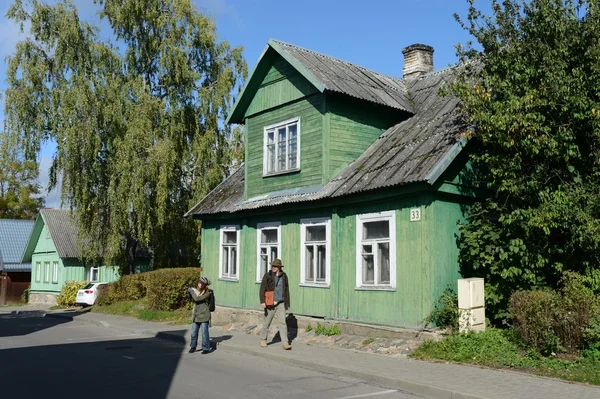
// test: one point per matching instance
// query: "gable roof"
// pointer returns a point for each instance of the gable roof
(64, 234)
(418, 149)
(326, 74)
(62, 229)
(14, 235)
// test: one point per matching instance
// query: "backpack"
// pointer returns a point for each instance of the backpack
(211, 302)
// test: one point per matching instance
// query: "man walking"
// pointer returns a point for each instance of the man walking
(275, 285)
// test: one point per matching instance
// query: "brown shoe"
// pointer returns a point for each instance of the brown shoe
(263, 343)
(287, 347)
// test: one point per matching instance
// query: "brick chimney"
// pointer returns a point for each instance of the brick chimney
(418, 60)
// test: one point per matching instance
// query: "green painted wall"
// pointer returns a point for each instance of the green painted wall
(354, 125)
(426, 262)
(311, 130)
(281, 85)
(68, 269)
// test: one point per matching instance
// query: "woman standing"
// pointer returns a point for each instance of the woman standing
(201, 315)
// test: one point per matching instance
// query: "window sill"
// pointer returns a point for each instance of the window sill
(230, 279)
(283, 172)
(375, 288)
(314, 285)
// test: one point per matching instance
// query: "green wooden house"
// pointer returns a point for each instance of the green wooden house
(356, 180)
(55, 255)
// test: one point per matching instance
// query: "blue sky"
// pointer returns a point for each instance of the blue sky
(370, 33)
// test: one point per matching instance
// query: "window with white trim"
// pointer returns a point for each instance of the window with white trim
(92, 274)
(268, 246)
(315, 237)
(376, 250)
(229, 259)
(282, 147)
(55, 272)
(46, 272)
(38, 271)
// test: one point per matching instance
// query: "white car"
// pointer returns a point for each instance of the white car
(87, 295)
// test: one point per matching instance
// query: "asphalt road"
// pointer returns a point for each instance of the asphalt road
(52, 358)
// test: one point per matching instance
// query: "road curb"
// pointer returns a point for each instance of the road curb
(407, 386)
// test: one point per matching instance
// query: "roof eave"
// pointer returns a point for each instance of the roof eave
(443, 163)
(33, 238)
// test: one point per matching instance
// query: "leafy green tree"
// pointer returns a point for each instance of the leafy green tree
(532, 99)
(19, 191)
(138, 129)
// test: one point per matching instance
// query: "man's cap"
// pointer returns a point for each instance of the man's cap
(276, 262)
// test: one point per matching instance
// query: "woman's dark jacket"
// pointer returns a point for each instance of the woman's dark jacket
(201, 312)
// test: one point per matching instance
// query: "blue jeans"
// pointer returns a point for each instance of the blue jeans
(205, 336)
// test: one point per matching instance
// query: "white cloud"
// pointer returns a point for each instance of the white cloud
(219, 9)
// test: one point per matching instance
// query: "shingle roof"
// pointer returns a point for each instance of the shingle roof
(14, 235)
(346, 78)
(417, 149)
(63, 231)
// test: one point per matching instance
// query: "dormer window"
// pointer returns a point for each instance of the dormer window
(282, 147)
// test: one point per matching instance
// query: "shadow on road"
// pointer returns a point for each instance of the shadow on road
(123, 368)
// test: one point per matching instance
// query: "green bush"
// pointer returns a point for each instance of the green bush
(328, 331)
(445, 313)
(25, 294)
(130, 287)
(166, 288)
(533, 314)
(552, 322)
(68, 294)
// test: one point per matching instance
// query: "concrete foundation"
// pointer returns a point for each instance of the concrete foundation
(42, 299)
(251, 321)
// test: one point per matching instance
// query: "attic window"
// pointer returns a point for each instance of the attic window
(282, 147)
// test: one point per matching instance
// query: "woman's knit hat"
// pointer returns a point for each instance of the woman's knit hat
(205, 281)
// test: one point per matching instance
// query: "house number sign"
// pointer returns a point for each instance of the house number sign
(415, 214)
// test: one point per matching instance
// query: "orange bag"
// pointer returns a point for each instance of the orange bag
(269, 298)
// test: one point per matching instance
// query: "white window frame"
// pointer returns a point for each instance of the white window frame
(274, 128)
(38, 271)
(304, 223)
(259, 228)
(55, 272)
(89, 274)
(46, 272)
(389, 216)
(229, 276)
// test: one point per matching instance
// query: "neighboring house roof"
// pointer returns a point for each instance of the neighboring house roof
(14, 235)
(418, 149)
(64, 233)
(327, 74)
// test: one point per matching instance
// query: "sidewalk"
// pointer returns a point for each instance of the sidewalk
(432, 380)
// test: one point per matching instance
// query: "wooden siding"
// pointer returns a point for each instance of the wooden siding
(68, 269)
(311, 126)
(426, 262)
(443, 261)
(281, 85)
(353, 128)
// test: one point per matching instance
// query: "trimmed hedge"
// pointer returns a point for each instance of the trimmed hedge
(166, 288)
(556, 321)
(68, 294)
(128, 288)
